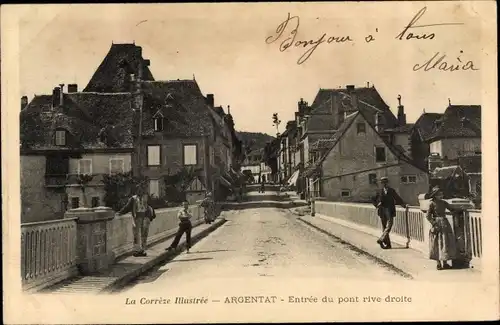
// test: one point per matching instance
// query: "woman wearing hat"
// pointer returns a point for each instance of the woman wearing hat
(442, 245)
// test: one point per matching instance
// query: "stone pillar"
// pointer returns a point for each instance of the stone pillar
(461, 230)
(94, 253)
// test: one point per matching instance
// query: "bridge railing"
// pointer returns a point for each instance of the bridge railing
(410, 228)
(48, 252)
(55, 250)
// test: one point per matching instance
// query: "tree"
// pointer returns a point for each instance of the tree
(276, 122)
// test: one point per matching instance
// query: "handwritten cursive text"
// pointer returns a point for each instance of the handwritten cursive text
(289, 39)
(405, 34)
(438, 61)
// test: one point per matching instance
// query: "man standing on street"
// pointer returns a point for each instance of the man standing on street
(142, 215)
(185, 226)
(386, 200)
(208, 206)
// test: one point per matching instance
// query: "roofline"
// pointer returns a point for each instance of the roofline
(440, 137)
(322, 159)
(401, 156)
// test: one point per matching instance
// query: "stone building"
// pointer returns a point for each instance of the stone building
(122, 121)
(65, 135)
(355, 159)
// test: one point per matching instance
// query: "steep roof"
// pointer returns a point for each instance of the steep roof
(182, 105)
(425, 123)
(331, 142)
(88, 118)
(369, 99)
(113, 74)
(458, 121)
(322, 144)
(401, 129)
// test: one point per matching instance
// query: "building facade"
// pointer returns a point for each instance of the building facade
(68, 134)
(357, 159)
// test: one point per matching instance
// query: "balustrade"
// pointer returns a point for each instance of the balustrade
(48, 251)
(410, 228)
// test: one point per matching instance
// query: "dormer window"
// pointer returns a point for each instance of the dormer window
(60, 137)
(158, 121)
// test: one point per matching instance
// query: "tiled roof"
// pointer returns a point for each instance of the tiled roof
(330, 143)
(401, 129)
(185, 110)
(368, 98)
(84, 115)
(321, 144)
(458, 121)
(425, 123)
(113, 74)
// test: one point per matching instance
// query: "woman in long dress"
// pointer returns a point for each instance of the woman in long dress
(442, 243)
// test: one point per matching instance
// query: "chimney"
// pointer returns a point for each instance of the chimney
(24, 102)
(354, 97)
(210, 100)
(379, 122)
(228, 110)
(302, 107)
(401, 112)
(72, 88)
(61, 95)
(56, 97)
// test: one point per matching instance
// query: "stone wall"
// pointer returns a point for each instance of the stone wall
(166, 222)
(38, 203)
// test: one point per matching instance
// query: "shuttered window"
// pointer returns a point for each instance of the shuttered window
(154, 156)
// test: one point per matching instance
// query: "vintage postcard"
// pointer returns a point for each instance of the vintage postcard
(249, 162)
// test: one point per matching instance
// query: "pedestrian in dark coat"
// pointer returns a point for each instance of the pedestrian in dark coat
(185, 226)
(386, 200)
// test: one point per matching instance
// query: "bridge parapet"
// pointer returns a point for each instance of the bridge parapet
(412, 228)
(87, 241)
(48, 252)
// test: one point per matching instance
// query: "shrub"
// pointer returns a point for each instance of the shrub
(118, 189)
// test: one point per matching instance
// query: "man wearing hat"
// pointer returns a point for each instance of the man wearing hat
(142, 215)
(385, 200)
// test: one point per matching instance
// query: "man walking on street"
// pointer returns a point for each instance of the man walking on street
(385, 200)
(185, 226)
(142, 215)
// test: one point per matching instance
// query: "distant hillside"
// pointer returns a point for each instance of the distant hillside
(254, 140)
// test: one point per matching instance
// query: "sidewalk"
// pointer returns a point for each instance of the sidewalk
(126, 269)
(405, 261)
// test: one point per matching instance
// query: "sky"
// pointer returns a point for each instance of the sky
(224, 47)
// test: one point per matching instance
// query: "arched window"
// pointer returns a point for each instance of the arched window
(60, 137)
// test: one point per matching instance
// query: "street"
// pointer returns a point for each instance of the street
(263, 242)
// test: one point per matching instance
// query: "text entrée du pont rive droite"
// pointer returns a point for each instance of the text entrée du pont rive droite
(269, 300)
